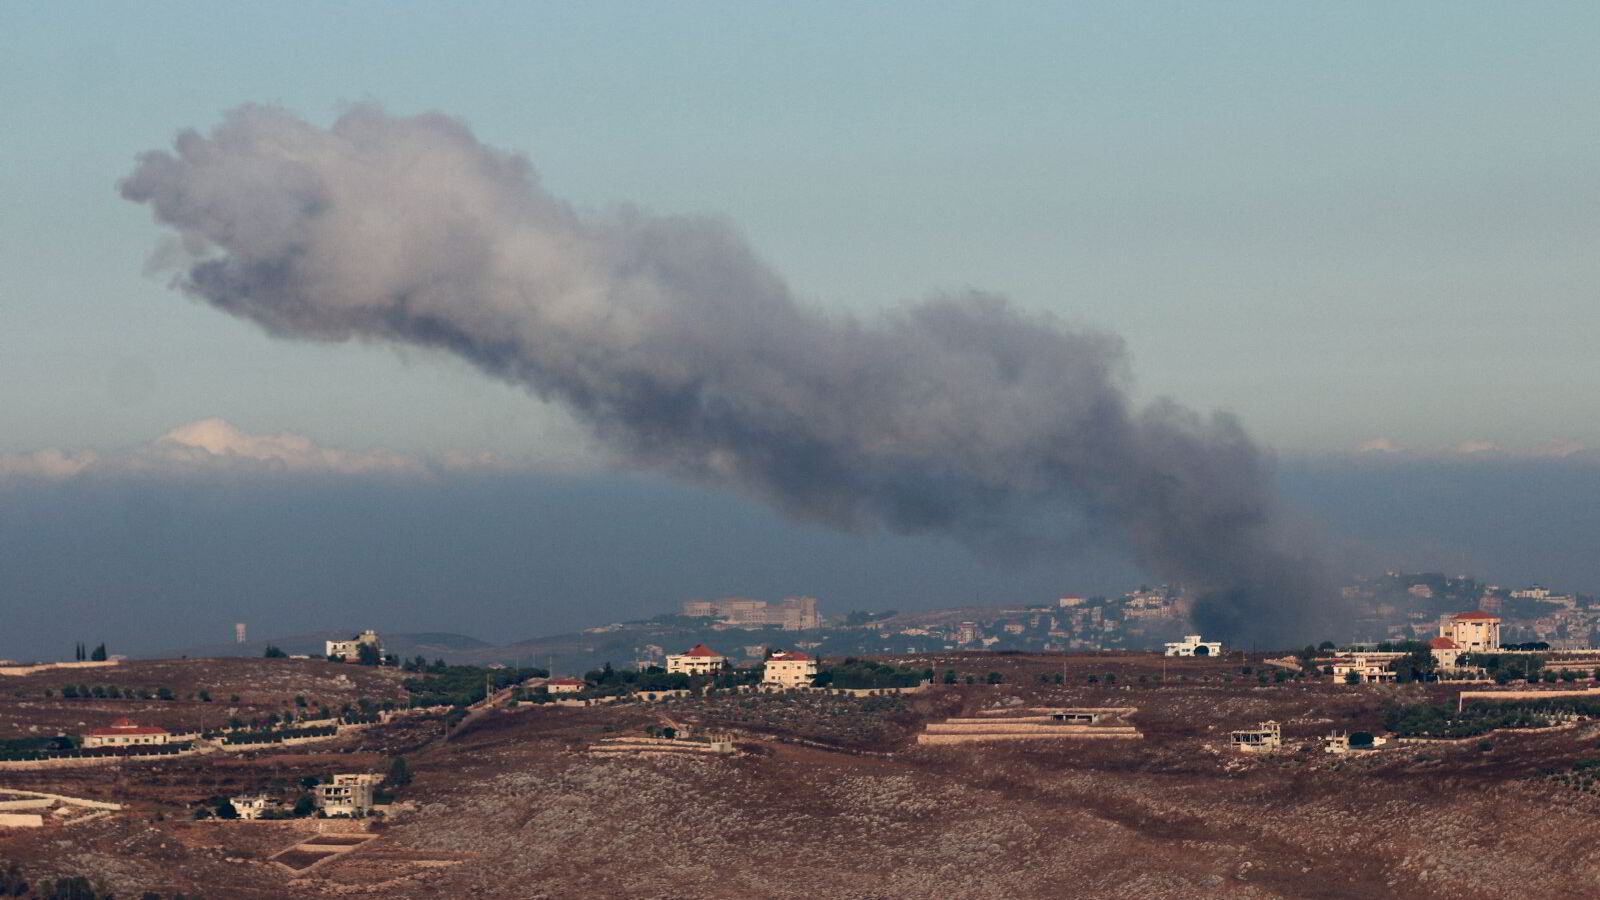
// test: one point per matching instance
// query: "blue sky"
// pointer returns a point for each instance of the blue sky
(1343, 222)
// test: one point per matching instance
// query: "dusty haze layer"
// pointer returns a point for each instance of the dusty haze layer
(686, 354)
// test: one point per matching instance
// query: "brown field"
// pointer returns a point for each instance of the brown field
(830, 800)
(263, 686)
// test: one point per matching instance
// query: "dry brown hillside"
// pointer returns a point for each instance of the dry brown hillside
(837, 800)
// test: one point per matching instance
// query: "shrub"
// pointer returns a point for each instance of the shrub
(1361, 739)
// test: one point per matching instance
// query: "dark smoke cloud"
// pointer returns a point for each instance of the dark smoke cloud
(687, 354)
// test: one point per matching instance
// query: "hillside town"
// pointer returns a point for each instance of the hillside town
(351, 762)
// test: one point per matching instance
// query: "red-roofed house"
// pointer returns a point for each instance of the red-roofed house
(125, 733)
(699, 660)
(1472, 632)
(564, 685)
(789, 669)
(1445, 652)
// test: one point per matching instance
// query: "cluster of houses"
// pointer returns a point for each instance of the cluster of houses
(1469, 632)
(782, 668)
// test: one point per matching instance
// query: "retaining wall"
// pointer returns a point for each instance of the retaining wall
(1092, 734)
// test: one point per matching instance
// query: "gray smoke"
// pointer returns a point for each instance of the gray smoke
(687, 354)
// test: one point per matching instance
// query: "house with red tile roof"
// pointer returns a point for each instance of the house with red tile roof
(125, 733)
(789, 669)
(1472, 632)
(698, 660)
(564, 685)
(1445, 652)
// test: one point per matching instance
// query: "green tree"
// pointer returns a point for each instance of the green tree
(1352, 678)
(950, 676)
(368, 655)
(1361, 739)
(305, 806)
(273, 652)
(225, 809)
(165, 693)
(399, 773)
(995, 678)
(205, 696)
(99, 654)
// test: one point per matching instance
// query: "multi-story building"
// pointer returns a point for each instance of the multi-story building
(698, 660)
(348, 794)
(1472, 632)
(350, 651)
(790, 669)
(967, 632)
(791, 613)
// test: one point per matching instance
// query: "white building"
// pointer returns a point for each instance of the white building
(1265, 738)
(125, 733)
(789, 669)
(251, 806)
(1473, 632)
(565, 685)
(1366, 669)
(350, 651)
(347, 795)
(1192, 645)
(699, 660)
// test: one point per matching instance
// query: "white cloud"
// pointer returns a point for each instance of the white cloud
(1475, 448)
(48, 463)
(216, 444)
(211, 441)
(1379, 445)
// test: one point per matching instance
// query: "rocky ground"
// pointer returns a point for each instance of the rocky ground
(834, 800)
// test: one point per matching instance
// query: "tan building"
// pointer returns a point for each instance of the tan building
(699, 660)
(125, 733)
(565, 685)
(790, 614)
(347, 795)
(1263, 739)
(350, 651)
(1445, 652)
(251, 806)
(1472, 632)
(1367, 670)
(789, 669)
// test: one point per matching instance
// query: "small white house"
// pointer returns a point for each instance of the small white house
(251, 806)
(125, 733)
(565, 685)
(789, 669)
(1192, 645)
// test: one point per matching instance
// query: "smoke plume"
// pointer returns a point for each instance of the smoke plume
(686, 354)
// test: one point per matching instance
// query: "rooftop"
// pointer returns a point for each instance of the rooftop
(126, 726)
(1475, 614)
